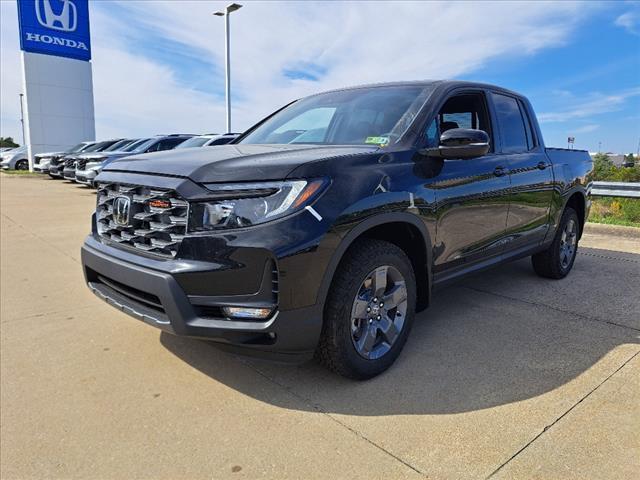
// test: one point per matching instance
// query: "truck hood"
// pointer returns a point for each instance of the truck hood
(49, 154)
(232, 163)
(103, 155)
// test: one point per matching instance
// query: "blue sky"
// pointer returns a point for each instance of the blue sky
(159, 66)
(588, 87)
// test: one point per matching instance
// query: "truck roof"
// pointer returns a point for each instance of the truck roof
(440, 83)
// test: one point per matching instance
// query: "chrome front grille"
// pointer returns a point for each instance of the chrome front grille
(70, 163)
(156, 220)
(81, 164)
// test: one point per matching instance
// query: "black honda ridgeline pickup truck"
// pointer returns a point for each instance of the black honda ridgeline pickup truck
(326, 226)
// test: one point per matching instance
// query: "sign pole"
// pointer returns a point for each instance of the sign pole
(21, 95)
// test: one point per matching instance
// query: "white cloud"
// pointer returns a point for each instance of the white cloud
(10, 72)
(345, 43)
(630, 21)
(586, 128)
(589, 105)
(356, 42)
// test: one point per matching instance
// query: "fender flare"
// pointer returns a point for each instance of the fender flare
(565, 196)
(364, 226)
(585, 198)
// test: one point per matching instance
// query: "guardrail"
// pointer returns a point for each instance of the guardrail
(616, 189)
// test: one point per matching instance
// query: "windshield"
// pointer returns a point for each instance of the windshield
(95, 147)
(373, 115)
(194, 142)
(117, 146)
(76, 148)
(134, 146)
(144, 146)
(86, 147)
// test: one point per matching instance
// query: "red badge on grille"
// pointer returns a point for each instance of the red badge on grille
(158, 203)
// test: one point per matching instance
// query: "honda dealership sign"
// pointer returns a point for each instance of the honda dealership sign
(55, 27)
(57, 77)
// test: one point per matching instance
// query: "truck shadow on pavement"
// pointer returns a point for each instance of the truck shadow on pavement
(499, 337)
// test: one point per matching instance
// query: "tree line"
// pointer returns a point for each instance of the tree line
(605, 170)
(7, 142)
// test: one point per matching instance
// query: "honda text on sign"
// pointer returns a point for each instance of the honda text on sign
(55, 27)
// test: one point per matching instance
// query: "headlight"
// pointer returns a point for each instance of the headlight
(243, 205)
(96, 159)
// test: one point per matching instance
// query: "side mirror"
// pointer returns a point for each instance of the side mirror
(461, 143)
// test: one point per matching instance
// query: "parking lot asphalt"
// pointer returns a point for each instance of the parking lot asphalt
(507, 375)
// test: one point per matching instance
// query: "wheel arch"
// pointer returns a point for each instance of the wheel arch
(578, 201)
(415, 241)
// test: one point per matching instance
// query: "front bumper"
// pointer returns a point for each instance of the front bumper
(56, 170)
(69, 173)
(184, 297)
(86, 176)
(42, 167)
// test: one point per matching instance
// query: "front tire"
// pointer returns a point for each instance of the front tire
(369, 310)
(557, 260)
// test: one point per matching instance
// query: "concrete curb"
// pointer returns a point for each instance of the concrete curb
(615, 230)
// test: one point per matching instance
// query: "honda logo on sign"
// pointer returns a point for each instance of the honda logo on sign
(65, 20)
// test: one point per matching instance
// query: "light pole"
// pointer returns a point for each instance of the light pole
(232, 7)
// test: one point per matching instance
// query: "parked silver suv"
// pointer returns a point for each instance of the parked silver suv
(89, 165)
(15, 159)
(41, 161)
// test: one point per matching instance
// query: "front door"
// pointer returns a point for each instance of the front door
(472, 196)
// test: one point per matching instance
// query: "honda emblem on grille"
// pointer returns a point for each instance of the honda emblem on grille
(121, 207)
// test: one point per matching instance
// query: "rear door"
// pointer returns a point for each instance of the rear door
(529, 170)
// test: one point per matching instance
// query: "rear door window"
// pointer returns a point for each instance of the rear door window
(511, 124)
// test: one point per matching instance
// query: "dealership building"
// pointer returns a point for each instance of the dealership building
(56, 74)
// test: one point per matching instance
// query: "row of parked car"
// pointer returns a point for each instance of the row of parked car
(82, 163)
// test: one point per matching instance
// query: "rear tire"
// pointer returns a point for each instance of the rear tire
(557, 260)
(369, 310)
(22, 165)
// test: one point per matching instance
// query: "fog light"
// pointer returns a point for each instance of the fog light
(244, 312)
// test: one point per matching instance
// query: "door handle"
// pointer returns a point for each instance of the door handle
(499, 171)
(542, 165)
